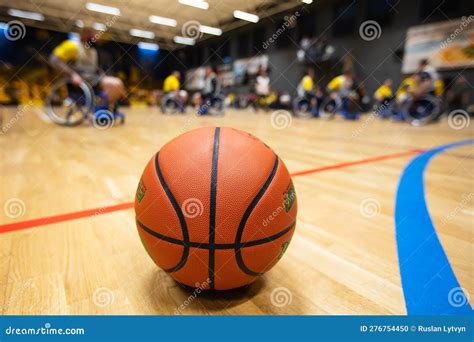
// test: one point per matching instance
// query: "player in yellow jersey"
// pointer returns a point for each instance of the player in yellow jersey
(173, 95)
(172, 83)
(305, 87)
(384, 92)
(79, 61)
(383, 97)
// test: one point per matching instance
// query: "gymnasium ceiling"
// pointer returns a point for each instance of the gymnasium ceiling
(61, 15)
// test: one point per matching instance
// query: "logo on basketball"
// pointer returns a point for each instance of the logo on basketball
(370, 207)
(15, 30)
(192, 208)
(370, 30)
(281, 296)
(458, 297)
(281, 119)
(458, 119)
(103, 119)
(103, 297)
(191, 29)
(14, 208)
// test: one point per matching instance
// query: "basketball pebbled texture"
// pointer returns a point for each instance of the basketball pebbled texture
(215, 208)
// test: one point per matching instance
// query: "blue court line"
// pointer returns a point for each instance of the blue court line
(429, 284)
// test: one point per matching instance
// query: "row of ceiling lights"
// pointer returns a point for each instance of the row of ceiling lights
(135, 32)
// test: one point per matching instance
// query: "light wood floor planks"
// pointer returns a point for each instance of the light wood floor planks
(342, 259)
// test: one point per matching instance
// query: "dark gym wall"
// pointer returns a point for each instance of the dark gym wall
(373, 60)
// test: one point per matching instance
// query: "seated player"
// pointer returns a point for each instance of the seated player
(305, 87)
(78, 60)
(211, 90)
(171, 85)
(341, 87)
(404, 96)
(262, 89)
(428, 77)
(384, 92)
(382, 96)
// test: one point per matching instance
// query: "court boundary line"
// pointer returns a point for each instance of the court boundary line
(47, 220)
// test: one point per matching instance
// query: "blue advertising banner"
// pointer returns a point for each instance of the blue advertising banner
(238, 328)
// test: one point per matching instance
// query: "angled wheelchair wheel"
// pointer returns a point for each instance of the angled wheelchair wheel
(329, 107)
(69, 105)
(423, 110)
(217, 105)
(169, 104)
(302, 108)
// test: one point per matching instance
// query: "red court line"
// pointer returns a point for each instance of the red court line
(9, 227)
(358, 162)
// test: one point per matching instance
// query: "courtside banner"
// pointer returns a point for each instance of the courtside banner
(237, 328)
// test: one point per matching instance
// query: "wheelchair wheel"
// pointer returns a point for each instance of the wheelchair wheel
(330, 107)
(423, 110)
(69, 105)
(302, 108)
(169, 105)
(217, 106)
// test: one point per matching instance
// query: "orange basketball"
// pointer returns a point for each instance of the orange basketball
(215, 208)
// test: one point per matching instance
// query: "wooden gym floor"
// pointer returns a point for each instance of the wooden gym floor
(342, 259)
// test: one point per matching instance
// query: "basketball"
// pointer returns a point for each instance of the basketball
(215, 208)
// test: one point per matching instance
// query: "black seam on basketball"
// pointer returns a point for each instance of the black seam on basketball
(200, 245)
(212, 209)
(180, 215)
(243, 221)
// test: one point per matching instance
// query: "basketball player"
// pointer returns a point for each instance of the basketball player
(172, 85)
(78, 60)
(211, 90)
